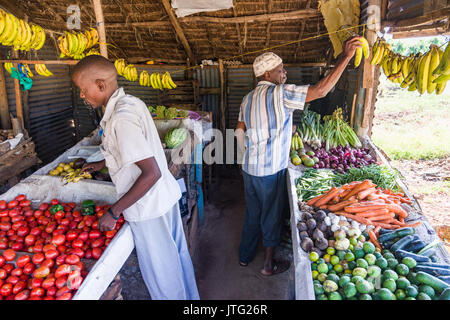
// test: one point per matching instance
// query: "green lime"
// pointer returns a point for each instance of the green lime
(321, 260)
(340, 254)
(349, 256)
(322, 297)
(335, 296)
(334, 260)
(359, 253)
(338, 268)
(343, 280)
(402, 283)
(351, 265)
(390, 284)
(392, 263)
(353, 241)
(382, 263)
(390, 274)
(411, 291)
(326, 257)
(331, 251)
(388, 255)
(400, 294)
(322, 277)
(330, 266)
(362, 263)
(428, 290)
(356, 278)
(365, 296)
(370, 258)
(333, 277)
(368, 247)
(423, 296)
(350, 290)
(314, 266)
(322, 268)
(410, 298)
(402, 269)
(409, 262)
(347, 271)
(318, 289)
(314, 256)
(315, 273)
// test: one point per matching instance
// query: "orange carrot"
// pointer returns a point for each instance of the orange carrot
(366, 184)
(311, 202)
(336, 199)
(377, 230)
(352, 216)
(402, 220)
(385, 225)
(372, 213)
(363, 194)
(380, 217)
(340, 205)
(324, 206)
(364, 208)
(398, 210)
(400, 224)
(373, 239)
(330, 195)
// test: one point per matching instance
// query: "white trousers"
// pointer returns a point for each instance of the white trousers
(163, 256)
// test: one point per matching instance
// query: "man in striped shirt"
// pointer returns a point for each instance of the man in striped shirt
(264, 132)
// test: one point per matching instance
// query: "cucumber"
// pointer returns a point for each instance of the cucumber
(432, 244)
(400, 233)
(400, 244)
(437, 265)
(400, 254)
(384, 231)
(388, 244)
(432, 281)
(446, 279)
(433, 270)
(428, 253)
(445, 295)
(414, 246)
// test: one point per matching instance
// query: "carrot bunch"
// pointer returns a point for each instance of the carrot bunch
(363, 202)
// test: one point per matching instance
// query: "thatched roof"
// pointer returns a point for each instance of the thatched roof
(140, 30)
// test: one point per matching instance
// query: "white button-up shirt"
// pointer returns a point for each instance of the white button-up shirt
(129, 135)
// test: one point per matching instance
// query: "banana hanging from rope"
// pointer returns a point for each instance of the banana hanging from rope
(365, 50)
(42, 70)
(8, 67)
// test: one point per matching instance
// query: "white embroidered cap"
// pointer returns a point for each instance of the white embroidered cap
(265, 62)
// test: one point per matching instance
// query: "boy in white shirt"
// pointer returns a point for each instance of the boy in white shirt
(148, 193)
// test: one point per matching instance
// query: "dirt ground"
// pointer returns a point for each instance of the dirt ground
(429, 182)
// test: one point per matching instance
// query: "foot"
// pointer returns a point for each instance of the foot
(243, 264)
(278, 267)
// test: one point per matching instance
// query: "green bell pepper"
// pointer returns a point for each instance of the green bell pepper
(57, 207)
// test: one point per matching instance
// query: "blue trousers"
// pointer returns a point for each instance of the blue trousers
(164, 258)
(266, 205)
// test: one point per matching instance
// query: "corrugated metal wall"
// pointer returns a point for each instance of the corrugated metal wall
(209, 78)
(50, 122)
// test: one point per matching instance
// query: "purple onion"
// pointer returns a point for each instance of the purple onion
(316, 166)
(321, 164)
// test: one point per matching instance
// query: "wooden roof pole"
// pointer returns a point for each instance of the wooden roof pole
(302, 31)
(100, 27)
(238, 31)
(179, 32)
(269, 23)
(4, 107)
(19, 108)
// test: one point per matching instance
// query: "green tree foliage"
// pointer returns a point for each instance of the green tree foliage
(405, 48)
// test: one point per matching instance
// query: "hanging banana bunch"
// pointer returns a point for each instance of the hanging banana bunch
(167, 81)
(41, 69)
(428, 72)
(162, 82)
(73, 44)
(19, 33)
(130, 73)
(144, 79)
(8, 67)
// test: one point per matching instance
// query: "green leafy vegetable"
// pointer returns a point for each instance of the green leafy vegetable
(313, 183)
(382, 176)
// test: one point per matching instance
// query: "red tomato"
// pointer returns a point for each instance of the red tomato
(12, 279)
(23, 260)
(72, 204)
(3, 245)
(48, 283)
(36, 282)
(17, 246)
(76, 214)
(43, 220)
(38, 213)
(23, 231)
(77, 243)
(10, 233)
(54, 202)
(9, 254)
(62, 291)
(61, 282)
(43, 206)
(37, 292)
(107, 242)
(51, 254)
(5, 226)
(48, 247)
(23, 295)
(74, 280)
(28, 268)
(96, 253)
(2, 261)
(48, 297)
(4, 213)
(36, 231)
(88, 254)
(13, 204)
(61, 249)
(95, 234)
(110, 234)
(8, 267)
(29, 214)
(38, 258)
(41, 272)
(20, 197)
(98, 243)
(17, 272)
(71, 235)
(15, 219)
(83, 235)
(6, 289)
(19, 286)
(3, 204)
(3, 274)
(51, 291)
(48, 263)
(62, 270)
(78, 266)
(58, 240)
(60, 259)
(30, 240)
(72, 259)
(77, 251)
(59, 215)
(65, 296)
(37, 248)
(25, 203)
(73, 225)
(65, 222)
(51, 226)
(81, 225)
(67, 208)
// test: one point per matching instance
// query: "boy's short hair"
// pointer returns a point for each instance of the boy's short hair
(93, 61)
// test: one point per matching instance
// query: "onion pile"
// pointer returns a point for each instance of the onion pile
(341, 158)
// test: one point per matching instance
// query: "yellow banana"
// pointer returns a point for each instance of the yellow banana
(10, 29)
(170, 81)
(26, 44)
(444, 64)
(21, 34)
(141, 78)
(94, 36)
(2, 21)
(412, 87)
(88, 36)
(434, 62)
(423, 73)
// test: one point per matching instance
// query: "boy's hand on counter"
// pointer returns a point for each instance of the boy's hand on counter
(93, 166)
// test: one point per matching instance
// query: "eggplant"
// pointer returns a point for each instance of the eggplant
(307, 244)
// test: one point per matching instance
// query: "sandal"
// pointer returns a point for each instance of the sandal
(243, 264)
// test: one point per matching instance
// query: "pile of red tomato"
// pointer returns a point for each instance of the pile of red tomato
(51, 268)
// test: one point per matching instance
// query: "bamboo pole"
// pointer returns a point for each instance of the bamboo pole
(100, 27)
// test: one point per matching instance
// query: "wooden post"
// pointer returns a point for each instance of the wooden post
(222, 97)
(100, 27)
(4, 107)
(19, 109)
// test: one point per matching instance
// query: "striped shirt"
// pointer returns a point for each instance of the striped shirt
(267, 114)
